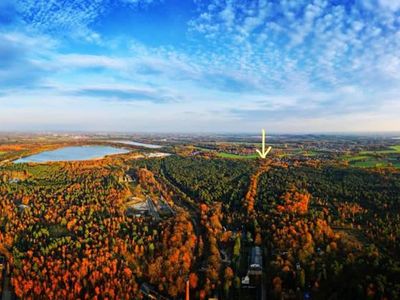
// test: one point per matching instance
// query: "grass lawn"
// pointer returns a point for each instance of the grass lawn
(392, 149)
(355, 157)
(369, 163)
(310, 153)
(397, 148)
(372, 162)
(371, 159)
(204, 149)
(230, 155)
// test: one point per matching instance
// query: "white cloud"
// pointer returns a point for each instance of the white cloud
(393, 5)
(89, 61)
(68, 18)
(328, 44)
(228, 15)
(272, 61)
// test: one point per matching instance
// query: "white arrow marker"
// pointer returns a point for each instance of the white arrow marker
(263, 153)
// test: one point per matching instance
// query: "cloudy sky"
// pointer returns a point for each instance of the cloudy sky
(202, 66)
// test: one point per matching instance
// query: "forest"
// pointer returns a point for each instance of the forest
(324, 231)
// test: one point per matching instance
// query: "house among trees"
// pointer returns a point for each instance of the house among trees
(150, 292)
(255, 267)
(254, 272)
(14, 180)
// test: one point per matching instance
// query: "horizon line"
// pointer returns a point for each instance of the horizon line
(101, 132)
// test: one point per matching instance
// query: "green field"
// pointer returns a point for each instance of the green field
(375, 164)
(351, 158)
(204, 149)
(310, 153)
(372, 163)
(375, 159)
(237, 156)
(397, 148)
(392, 149)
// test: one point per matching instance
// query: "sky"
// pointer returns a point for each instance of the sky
(200, 66)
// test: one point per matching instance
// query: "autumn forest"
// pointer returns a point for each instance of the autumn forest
(192, 224)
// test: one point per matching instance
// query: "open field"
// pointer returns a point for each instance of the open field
(378, 159)
(392, 149)
(371, 162)
(290, 153)
(237, 156)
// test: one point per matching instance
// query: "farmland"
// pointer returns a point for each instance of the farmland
(237, 156)
(389, 157)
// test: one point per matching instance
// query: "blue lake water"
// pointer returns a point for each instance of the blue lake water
(72, 153)
(151, 146)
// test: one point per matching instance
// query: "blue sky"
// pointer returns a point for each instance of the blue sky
(202, 66)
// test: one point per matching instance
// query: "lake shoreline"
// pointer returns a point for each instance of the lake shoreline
(73, 153)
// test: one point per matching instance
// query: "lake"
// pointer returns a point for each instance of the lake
(151, 146)
(72, 154)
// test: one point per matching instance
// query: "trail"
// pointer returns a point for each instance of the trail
(249, 202)
(251, 194)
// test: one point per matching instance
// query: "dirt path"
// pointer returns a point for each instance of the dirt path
(251, 194)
